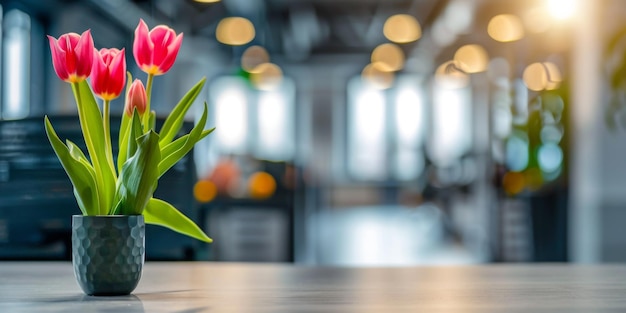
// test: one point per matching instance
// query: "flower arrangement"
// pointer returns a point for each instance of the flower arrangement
(102, 185)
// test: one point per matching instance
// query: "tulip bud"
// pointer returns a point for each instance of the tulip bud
(136, 98)
(72, 56)
(155, 50)
(108, 75)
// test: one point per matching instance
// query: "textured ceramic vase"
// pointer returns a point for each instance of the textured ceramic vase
(108, 253)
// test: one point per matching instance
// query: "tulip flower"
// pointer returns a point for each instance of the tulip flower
(145, 154)
(136, 98)
(155, 50)
(72, 56)
(108, 75)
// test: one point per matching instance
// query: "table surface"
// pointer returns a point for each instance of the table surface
(238, 287)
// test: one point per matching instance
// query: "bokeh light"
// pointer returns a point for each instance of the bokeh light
(517, 152)
(402, 28)
(533, 178)
(253, 57)
(472, 58)
(554, 76)
(390, 57)
(261, 185)
(550, 157)
(551, 134)
(204, 191)
(235, 31)
(513, 182)
(450, 75)
(266, 76)
(505, 28)
(376, 76)
(207, 1)
(536, 77)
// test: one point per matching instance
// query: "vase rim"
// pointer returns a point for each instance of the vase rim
(106, 216)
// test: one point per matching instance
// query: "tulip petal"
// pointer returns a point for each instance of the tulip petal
(58, 58)
(161, 36)
(171, 55)
(98, 74)
(117, 71)
(67, 42)
(84, 54)
(142, 45)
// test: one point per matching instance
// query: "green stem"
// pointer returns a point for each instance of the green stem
(107, 133)
(146, 114)
(92, 154)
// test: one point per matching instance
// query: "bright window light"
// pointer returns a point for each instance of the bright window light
(409, 129)
(231, 115)
(409, 115)
(16, 60)
(409, 164)
(562, 9)
(366, 132)
(451, 131)
(275, 125)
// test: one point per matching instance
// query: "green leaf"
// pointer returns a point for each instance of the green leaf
(75, 151)
(175, 120)
(139, 176)
(93, 132)
(122, 139)
(122, 153)
(134, 132)
(180, 142)
(159, 212)
(79, 171)
(169, 160)
(152, 120)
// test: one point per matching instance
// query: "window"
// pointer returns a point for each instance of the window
(230, 98)
(451, 134)
(386, 129)
(251, 121)
(275, 122)
(16, 65)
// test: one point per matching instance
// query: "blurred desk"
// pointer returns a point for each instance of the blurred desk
(232, 287)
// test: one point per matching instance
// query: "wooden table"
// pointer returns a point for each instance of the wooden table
(232, 287)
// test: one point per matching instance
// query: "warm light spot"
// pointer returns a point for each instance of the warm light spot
(536, 77)
(537, 20)
(235, 31)
(390, 56)
(253, 57)
(204, 191)
(472, 58)
(376, 75)
(513, 182)
(261, 185)
(266, 76)
(451, 76)
(554, 76)
(505, 28)
(207, 1)
(533, 178)
(402, 28)
(562, 9)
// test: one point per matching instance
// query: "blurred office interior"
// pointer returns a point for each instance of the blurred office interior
(349, 132)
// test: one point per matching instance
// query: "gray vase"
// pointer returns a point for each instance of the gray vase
(108, 253)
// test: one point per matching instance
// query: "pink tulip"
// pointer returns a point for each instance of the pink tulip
(108, 75)
(155, 51)
(72, 56)
(136, 98)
